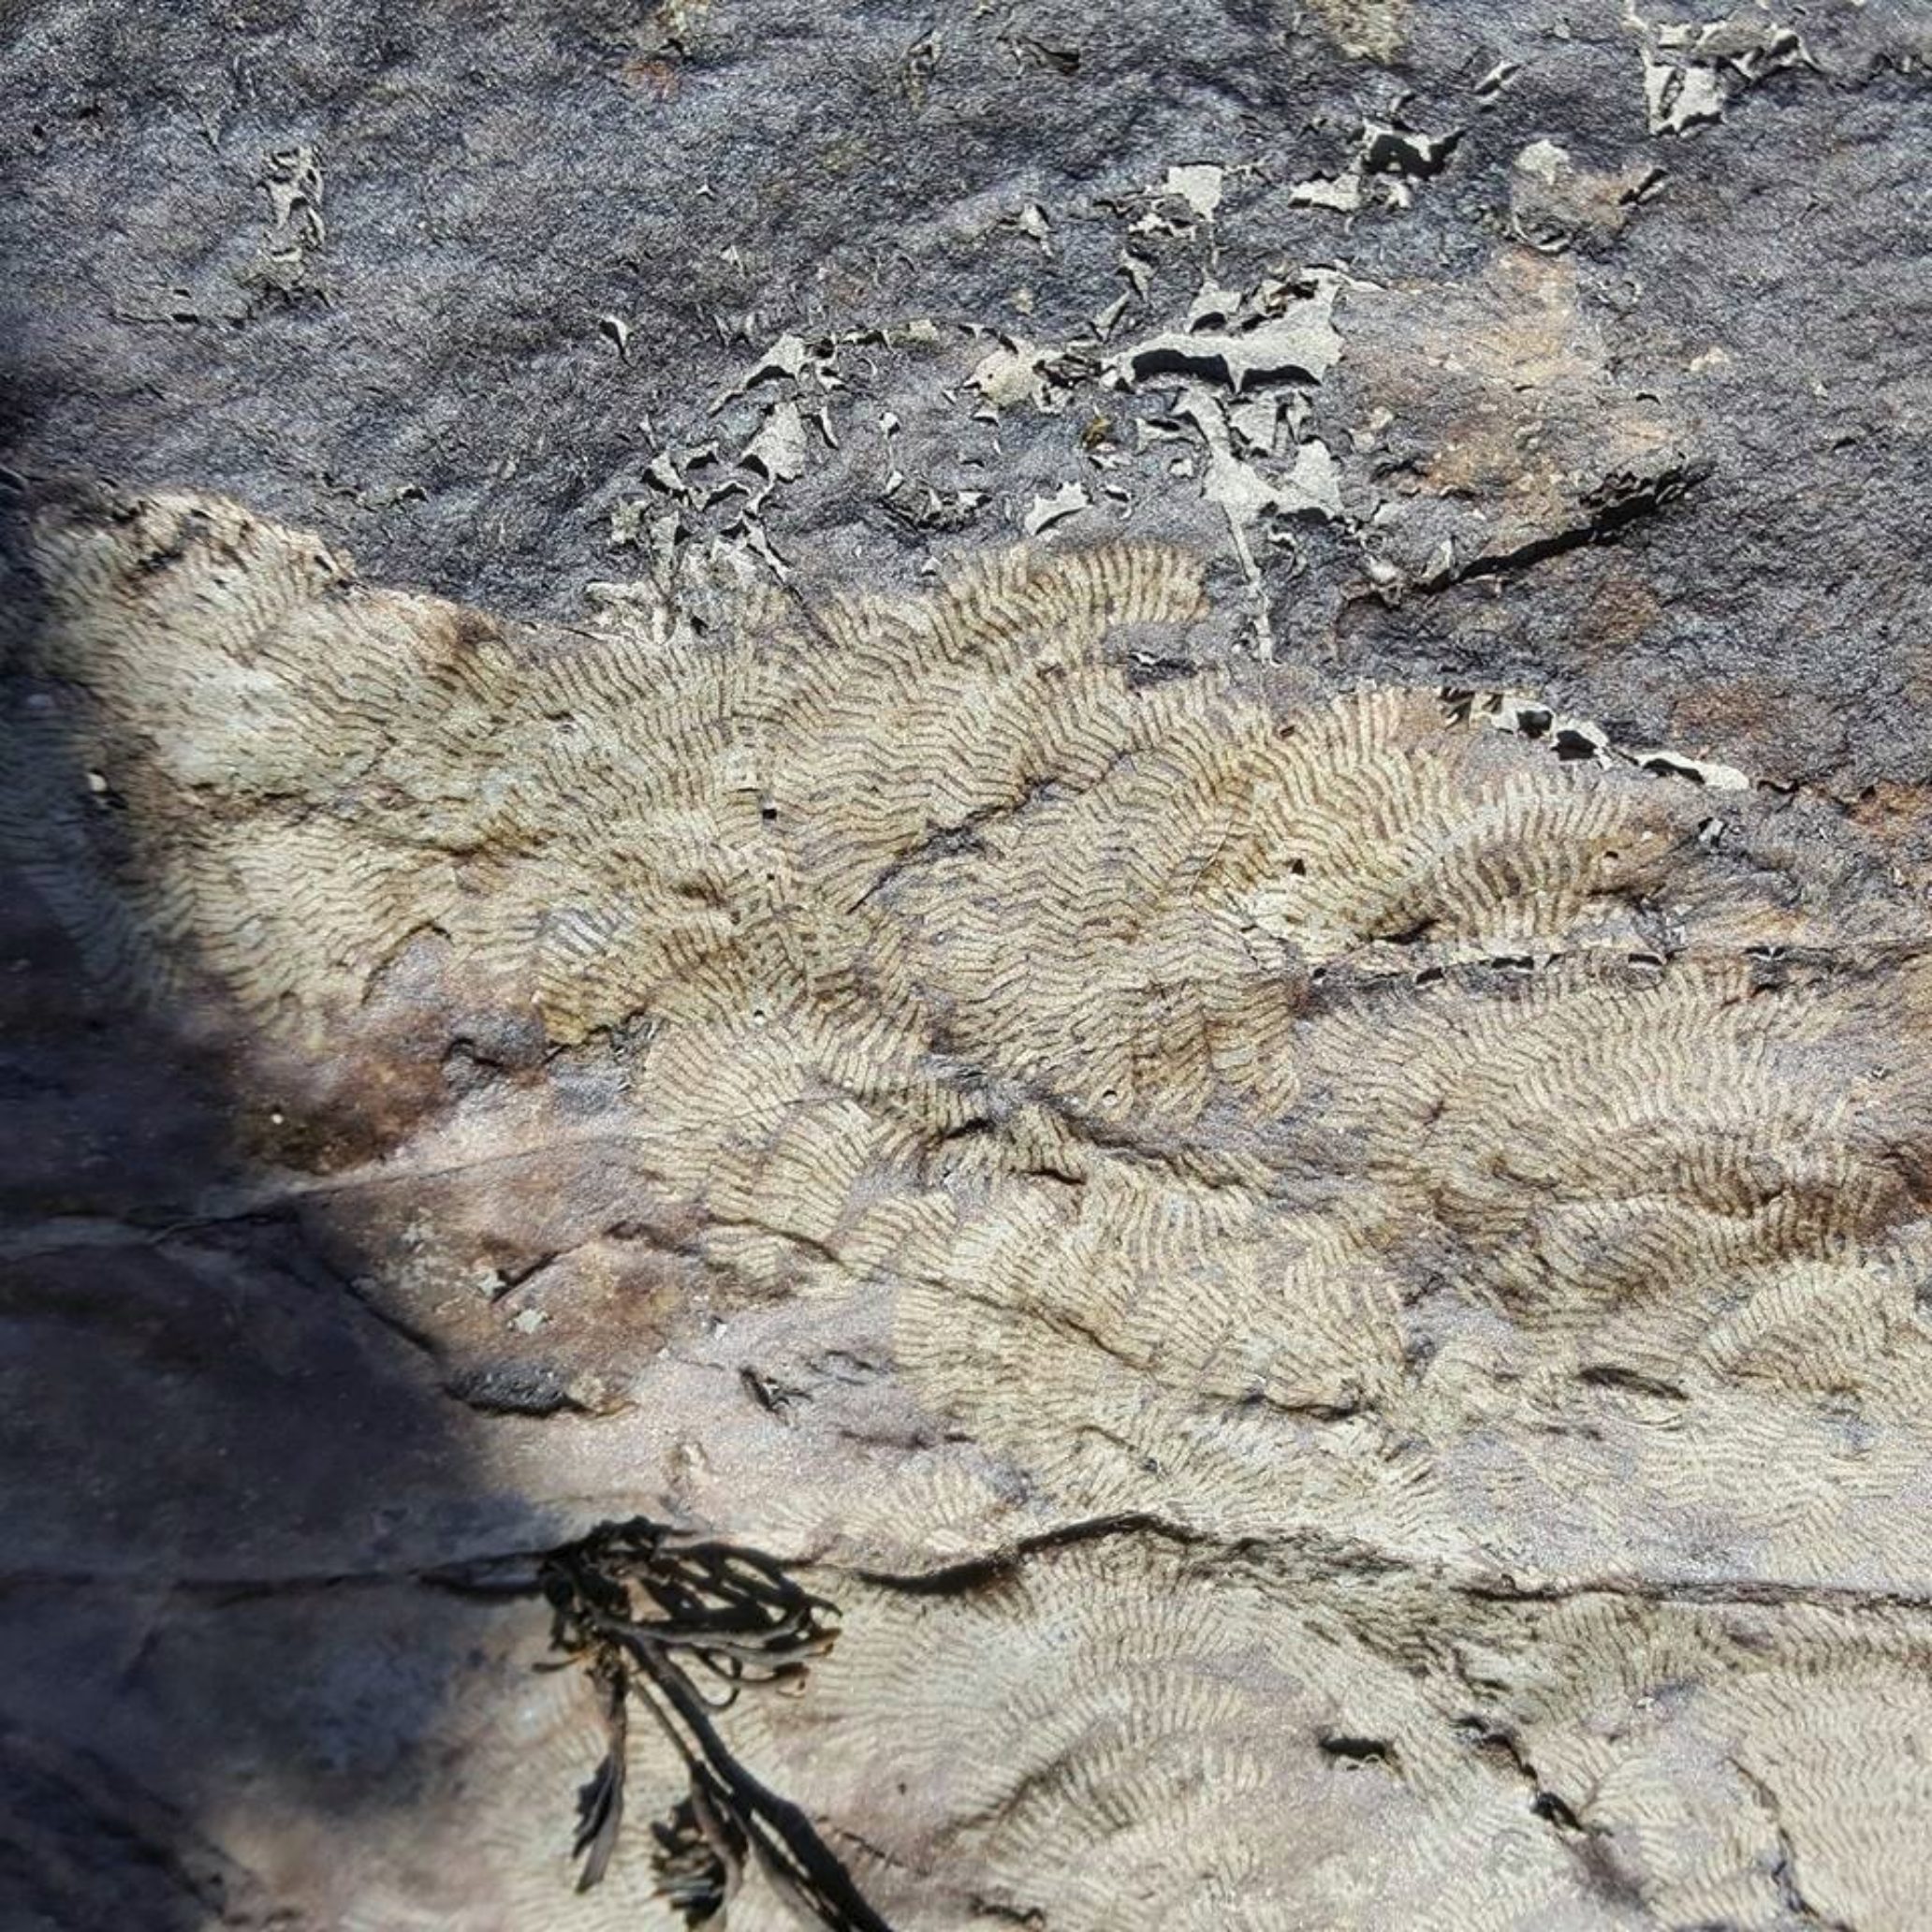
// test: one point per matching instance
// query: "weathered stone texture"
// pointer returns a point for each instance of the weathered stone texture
(1114, 818)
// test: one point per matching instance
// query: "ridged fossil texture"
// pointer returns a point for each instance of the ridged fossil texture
(1397, 1257)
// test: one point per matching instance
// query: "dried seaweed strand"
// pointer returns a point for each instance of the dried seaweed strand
(647, 1614)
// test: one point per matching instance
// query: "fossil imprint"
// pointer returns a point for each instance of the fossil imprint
(1318, 1127)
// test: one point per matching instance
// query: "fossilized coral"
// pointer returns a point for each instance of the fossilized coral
(638, 824)
(1263, 1120)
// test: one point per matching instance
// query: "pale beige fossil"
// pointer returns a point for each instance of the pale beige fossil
(1422, 1239)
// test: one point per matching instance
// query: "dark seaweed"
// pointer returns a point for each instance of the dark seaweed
(682, 1626)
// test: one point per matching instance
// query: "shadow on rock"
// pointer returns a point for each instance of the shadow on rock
(242, 1519)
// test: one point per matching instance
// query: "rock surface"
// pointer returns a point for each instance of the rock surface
(1111, 818)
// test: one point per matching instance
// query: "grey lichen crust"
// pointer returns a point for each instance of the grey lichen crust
(1182, 944)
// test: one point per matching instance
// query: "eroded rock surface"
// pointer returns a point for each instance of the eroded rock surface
(1118, 830)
